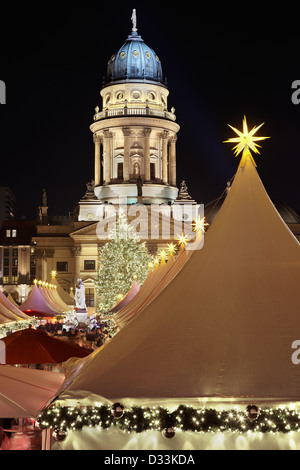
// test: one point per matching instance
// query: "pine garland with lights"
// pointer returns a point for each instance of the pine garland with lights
(183, 419)
(15, 326)
(122, 259)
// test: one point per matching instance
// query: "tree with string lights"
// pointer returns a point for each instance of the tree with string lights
(123, 259)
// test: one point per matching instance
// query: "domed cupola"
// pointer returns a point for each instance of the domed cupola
(135, 133)
(134, 62)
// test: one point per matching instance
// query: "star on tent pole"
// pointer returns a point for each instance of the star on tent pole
(246, 141)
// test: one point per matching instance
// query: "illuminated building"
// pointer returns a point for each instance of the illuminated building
(134, 135)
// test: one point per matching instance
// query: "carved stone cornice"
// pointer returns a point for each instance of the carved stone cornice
(126, 131)
(76, 250)
(108, 134)
(44, 253)
(96, 138)
(147, 131)
(164, 134)
(128, 121)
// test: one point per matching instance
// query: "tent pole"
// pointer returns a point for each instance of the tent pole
(46, 439)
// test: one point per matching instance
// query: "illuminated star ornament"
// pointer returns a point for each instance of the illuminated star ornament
(199, 225)
(171, 248)
(183, 240)
(246, 141)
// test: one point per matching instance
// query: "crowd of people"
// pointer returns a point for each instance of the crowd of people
(91, 336)
(83, 335)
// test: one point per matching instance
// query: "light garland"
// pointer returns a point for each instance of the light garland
(183, 419)
(39, 282)
(16, 326)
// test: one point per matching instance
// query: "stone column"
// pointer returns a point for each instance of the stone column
(76, 252)
(126, 132)
(107, 162)
(172, 161)
(97, 142)
(164, 136)
(147, 133)
(41, 264)
(42, 267)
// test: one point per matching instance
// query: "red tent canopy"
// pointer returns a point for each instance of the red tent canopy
(32, 346)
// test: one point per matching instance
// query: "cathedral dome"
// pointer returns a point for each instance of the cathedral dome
(134, 61)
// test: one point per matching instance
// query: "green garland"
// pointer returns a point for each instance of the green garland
(15, 326)
(184, 418)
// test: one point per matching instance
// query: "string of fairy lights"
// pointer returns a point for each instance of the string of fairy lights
(62, 419)
(198, 225)
(169, 251)
(46, 284)
(185, 418)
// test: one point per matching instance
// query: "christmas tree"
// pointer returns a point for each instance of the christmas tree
(123, 259)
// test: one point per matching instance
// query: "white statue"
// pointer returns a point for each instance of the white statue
(80, 295)
(134, 20)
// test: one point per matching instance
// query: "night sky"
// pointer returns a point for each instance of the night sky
(219, 68)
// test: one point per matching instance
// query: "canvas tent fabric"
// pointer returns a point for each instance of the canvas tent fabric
(12, 300)
(127, 299)
(36, 304)
(9, 312)
(56, 297)
(54, 303)
(224, 326)
(157, 282)
(25, 391)
(64, 296)
(30, 346)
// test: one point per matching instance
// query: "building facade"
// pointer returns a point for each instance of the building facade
(7, 204)
(134, 135)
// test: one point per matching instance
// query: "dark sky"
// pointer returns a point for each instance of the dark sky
(219, 67)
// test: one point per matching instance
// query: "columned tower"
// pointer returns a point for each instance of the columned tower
(135, 134)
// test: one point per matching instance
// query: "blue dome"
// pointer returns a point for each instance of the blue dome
(134, 61)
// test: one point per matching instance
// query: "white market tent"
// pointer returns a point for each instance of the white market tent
(12, 300)
(55, 303)
(25, 391)
(63, 295)
(156, 281)
(37, 305)
(221, 331)
(9, 312)
(127, 299)
(225, 325)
